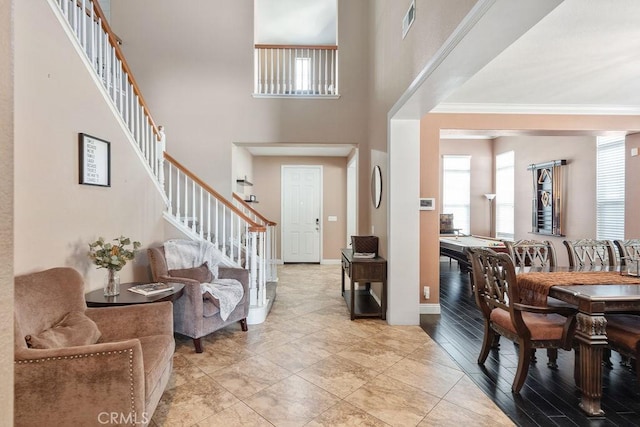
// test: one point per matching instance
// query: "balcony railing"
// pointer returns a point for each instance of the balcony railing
(302, 71)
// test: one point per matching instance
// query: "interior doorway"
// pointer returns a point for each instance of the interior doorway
(301, 213)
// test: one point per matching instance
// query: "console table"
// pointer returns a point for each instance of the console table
(364, 270)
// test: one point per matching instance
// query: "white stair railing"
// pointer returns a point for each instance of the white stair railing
(192, 205)
(303, 71)
(86, 22)
(205, 214)
(270, 235)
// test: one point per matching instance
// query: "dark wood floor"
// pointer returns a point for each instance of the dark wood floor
(549, 397)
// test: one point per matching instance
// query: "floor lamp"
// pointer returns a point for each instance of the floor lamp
(490, 198)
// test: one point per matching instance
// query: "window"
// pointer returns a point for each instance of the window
(303, 73)
(456, 190)
(610, 188)
(505, 225)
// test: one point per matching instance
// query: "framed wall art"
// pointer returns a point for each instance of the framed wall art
(547, 215)
(94, 160)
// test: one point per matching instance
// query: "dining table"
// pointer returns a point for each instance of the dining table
(595, 293)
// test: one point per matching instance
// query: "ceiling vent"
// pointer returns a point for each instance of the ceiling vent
(408, 19)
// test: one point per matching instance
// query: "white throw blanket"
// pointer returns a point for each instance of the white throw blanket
(229, 292)
(181, 253)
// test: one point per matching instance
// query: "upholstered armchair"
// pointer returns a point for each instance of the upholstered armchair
(194, 315)
(86, 366)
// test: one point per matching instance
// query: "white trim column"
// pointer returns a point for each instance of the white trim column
(403, 224)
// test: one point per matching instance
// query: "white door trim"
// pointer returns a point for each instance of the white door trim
(352, 199)
(320, 207)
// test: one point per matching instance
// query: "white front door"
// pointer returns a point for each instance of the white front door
(301, 213)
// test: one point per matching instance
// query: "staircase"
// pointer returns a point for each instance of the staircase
(192, 206)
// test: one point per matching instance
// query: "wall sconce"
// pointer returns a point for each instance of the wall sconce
(490, 197)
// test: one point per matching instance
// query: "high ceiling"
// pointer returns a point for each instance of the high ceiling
(301, 22)
(582, 58)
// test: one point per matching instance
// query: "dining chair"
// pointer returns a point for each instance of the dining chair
(530, 327)
(623, 330)
(628, 249)
(532, 253)
(623, 336)
(585, 253)
(536, 253)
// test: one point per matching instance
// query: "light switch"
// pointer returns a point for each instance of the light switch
(634, 152)
(332, 218)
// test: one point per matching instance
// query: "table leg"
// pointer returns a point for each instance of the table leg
(353, 300)
(592, 339)
(383, 306)
(343, 281)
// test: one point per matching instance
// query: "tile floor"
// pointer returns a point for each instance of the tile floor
(308, 364)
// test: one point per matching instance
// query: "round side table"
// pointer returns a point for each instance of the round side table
(96, 298)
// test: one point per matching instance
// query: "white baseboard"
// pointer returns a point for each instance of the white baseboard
(429, 308)
(257, 314)
(331, 261)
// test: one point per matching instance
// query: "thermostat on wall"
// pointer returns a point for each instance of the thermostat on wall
(427, 204)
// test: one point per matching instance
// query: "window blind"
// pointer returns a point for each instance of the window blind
(505, 224)
(610, 173)
(456, 190)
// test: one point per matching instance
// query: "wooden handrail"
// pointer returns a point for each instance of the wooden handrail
(114, 42)
(253, 211)
(252, 225)
(293, 46)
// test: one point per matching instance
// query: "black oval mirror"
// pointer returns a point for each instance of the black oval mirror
(376, 186)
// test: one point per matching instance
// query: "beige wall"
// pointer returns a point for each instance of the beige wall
(632, 189)
(532, 124)
(579, 184)
(6, 210)
(481, 152)
(394, 63)
(267, 188)
(195, 67)
(55, 217)
(378, 216)
(242, 167)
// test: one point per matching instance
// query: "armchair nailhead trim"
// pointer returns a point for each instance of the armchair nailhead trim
(82, 356)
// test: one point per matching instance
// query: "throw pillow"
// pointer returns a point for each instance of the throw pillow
(74, 329)
(200, 274)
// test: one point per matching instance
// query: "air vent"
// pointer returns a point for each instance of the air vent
(408, 19)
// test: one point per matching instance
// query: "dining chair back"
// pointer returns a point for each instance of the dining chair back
(532, 253)
(585, 253)
(497, 295)
(628, 249)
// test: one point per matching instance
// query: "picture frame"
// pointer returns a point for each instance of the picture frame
(94, 161)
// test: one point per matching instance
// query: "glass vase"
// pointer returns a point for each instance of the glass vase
(111, 283)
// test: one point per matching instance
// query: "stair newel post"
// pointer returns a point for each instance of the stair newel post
(253, 267)
(161, 148)
(262, 268)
